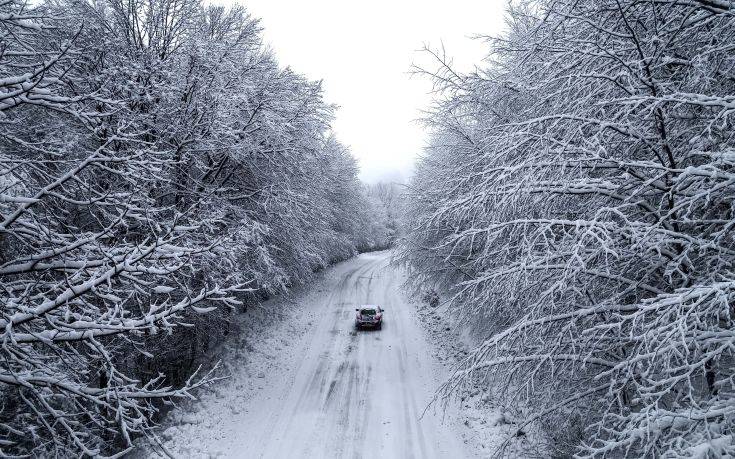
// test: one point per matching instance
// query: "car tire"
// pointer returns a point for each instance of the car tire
(380, 326)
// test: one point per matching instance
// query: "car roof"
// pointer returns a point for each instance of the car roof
(369, 306)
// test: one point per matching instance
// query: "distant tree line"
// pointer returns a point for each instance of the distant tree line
(158, 171)
(387, 199)
(576, 205)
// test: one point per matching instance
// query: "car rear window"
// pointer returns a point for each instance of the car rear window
(368, 312)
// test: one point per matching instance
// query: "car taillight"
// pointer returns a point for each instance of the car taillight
(378, 316)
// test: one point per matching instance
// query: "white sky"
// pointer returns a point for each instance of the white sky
(363, 52)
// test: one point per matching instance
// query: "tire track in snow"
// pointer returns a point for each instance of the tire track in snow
(351, 394)
(312, 396)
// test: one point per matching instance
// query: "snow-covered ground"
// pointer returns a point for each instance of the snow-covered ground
(486, 425)
(308, 385)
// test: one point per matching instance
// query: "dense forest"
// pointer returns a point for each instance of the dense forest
(159, 171)
(575, 206)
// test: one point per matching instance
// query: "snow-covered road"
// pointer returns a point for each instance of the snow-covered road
(346, 393)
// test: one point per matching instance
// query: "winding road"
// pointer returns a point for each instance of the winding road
(351, 394)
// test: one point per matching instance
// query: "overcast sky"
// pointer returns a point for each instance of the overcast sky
(363, 52)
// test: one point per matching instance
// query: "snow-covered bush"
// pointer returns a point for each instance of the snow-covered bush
(577, 202)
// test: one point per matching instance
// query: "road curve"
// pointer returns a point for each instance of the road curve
(352, 394)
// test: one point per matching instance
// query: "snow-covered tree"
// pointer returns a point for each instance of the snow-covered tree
(157, 168)
(388, 200)
(576, 201)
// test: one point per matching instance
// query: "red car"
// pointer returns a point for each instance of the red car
(369, 316)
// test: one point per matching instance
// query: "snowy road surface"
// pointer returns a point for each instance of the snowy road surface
(347, 394)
